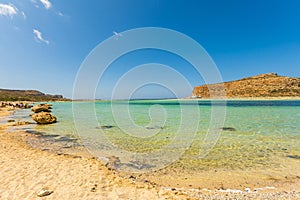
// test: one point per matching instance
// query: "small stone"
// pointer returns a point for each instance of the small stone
(94, 189)
(44, 192)
(132, 177)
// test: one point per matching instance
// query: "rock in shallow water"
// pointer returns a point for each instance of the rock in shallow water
(41, 108)
(105, 127)
(22, 123)
(228, 129)
(154, 127)
(294, 156)
(43, 118)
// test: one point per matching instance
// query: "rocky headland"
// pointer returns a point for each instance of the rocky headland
(28, 95)
(269, 85)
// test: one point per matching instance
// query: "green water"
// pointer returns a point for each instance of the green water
(260, 132)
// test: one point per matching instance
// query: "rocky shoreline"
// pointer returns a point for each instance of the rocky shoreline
(42, 114)
(16, 104)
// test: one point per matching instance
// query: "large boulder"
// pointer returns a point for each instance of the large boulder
(43, 118)
(41, 108)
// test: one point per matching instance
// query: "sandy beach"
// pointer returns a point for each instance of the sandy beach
(149, 100)
(26, 171)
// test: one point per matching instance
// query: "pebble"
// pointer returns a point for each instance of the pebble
(94, 189)
(44, 192)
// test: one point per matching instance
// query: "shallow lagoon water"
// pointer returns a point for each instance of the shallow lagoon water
(255, 133)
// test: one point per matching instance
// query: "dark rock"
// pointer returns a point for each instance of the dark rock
(132, 177)
(94, 188)
(26, 106)
(154, 127)
(294, 156)
(104, 127)
(228, 129)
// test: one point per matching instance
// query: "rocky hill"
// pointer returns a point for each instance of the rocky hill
(27, 95)
(264, 86)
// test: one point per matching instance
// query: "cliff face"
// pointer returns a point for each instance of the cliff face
(27, 95)
(264, 85)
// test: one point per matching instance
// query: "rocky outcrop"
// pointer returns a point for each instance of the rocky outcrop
(264, 85)
(43, 118)
(41, 108)
(23, 105)
(42, 114)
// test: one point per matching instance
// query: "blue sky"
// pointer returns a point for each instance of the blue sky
(44, 42)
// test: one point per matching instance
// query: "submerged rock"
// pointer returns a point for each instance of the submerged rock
(21, 123)
(154, 127)
(228, 129)
(294, 157)
(104, 127)
(43, 118)
(41, 108)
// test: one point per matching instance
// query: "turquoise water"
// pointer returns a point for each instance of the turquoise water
(149, 134)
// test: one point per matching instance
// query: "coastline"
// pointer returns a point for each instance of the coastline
(193, 99)
(26, 170)
(245, 99)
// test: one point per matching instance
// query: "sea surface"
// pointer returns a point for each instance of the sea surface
(147, 135)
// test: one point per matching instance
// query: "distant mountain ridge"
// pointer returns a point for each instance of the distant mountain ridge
(263, 85)
(27, 95)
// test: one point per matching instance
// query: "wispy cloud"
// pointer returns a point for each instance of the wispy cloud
(8, 10)
(34, 2)
(60, 14)
(39, 36)
(23, 14)
(46, 3)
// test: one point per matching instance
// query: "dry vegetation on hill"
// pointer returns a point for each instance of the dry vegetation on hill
(264, 85)
(27, 95)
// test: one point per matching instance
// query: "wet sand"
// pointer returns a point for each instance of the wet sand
(72, 173)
